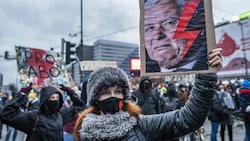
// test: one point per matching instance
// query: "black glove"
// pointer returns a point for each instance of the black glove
(66, 89)
(26, 90)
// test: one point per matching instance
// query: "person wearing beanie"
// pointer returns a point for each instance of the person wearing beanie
(111, 116)
(45, 123)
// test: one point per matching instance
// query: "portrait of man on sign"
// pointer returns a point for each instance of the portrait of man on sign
(174, 36)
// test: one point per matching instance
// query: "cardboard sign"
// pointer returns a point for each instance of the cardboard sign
(39, 67)
(175, 36)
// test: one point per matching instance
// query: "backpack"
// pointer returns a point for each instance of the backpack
(243, 113)
(244, 100)
(171, 104)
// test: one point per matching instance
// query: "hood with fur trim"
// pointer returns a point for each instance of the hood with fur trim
(103, 78)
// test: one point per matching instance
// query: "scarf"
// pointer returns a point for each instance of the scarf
(106, 127)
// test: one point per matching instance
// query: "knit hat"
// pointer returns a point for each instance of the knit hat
(102, 79)
(246, 84)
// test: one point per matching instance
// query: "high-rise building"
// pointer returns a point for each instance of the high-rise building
(106, 50)
(121, 52)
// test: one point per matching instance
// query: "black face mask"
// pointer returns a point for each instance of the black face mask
(110, 105)
(53, 105)
(146, 87)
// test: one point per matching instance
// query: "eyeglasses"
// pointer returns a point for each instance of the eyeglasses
(168, 24)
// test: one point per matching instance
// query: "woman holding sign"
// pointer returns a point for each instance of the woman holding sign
(112, 116)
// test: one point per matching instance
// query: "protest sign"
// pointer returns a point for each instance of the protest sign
(39, 67)
(176, 36)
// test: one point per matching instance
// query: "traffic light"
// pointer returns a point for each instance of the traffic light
(6, 55)
(70, 50)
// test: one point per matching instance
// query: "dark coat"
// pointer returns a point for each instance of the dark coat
(149, 101)
(49, 126)
(33, 105)
(217, 112)
(179, 122)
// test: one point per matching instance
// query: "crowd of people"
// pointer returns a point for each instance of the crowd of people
(105, 109)
(108, 112)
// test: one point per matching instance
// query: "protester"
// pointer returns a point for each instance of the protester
(12, 132)
(228, 105)
(164, 51)
(148, 98)
(171, 100)
(112, 117)
(46, 123)
(244, 101)
(33, 103)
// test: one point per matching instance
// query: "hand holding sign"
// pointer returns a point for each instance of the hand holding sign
(66, 89)
(215, 58)
(26, 90)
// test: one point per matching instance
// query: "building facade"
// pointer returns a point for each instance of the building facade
(106, 50)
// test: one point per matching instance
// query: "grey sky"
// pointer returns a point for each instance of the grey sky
(42, 23)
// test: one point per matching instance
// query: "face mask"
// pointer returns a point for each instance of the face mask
(53, 105)
(146, 85)
(222, 90)
(110, 105)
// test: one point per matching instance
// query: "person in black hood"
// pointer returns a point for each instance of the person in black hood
(46, 123)
(148, 98)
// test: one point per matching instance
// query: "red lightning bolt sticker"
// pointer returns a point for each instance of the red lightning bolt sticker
(181, 33)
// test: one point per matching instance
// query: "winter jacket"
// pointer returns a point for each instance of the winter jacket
(176, 123)
(33, 105)
(149, 101)
(244, 101)
(49, 127)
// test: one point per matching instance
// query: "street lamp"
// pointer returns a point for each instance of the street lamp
(81, 41)
(81, 46)
(244, 50)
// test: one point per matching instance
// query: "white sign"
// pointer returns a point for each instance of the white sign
(93, 65)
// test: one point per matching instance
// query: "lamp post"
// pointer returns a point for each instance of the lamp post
(81, 47)
(81, 40)
(244, 50)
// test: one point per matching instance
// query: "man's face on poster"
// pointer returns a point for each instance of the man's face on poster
(160, 22)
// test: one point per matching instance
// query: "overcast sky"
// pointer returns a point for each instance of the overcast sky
(43, 23)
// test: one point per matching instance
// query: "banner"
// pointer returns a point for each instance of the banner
(39, 67)
(176, 36)
(93, 65)
(234, 39)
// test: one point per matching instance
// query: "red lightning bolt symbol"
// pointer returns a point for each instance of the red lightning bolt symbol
(185, 17)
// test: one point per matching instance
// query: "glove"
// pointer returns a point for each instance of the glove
(26, 90)
(66, 89)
